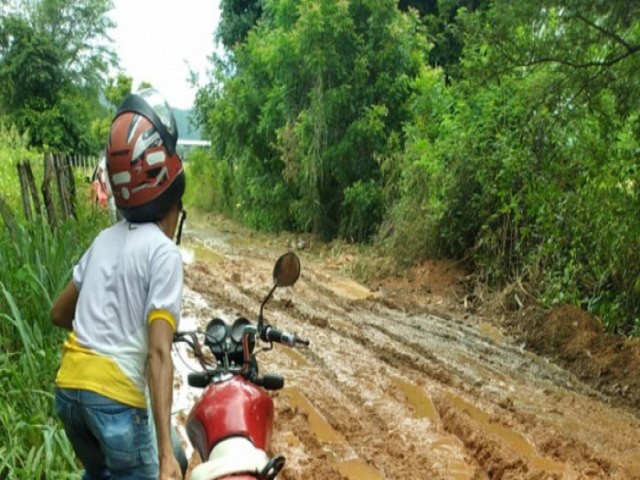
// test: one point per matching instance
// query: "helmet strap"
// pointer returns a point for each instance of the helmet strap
(183, 217)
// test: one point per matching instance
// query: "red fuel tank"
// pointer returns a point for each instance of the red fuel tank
(233, 407)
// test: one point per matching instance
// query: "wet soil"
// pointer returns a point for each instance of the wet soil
(412, 377)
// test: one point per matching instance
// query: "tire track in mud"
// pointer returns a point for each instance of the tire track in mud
(357, 404)
(365, 438)
(426, 363)
(535, 369)
(423, 362)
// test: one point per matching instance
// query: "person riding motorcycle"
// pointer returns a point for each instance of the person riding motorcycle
(122, 306)
(100, 191)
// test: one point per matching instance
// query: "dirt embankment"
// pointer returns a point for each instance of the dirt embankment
(576, 340)
(566, 334)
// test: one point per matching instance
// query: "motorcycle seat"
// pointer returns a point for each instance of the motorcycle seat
(231, 456)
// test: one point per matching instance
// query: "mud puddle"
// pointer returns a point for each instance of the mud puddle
(396, 393)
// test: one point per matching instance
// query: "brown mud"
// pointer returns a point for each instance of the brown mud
(412, 378)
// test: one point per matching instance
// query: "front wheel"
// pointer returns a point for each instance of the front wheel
(272, 468)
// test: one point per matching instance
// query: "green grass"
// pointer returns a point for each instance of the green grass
(36, 265)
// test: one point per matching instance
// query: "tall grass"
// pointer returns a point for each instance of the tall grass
(35, 264)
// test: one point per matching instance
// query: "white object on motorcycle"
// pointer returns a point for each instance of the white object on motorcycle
(233, 455)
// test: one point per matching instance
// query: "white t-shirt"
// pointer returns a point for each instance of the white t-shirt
(130, 276)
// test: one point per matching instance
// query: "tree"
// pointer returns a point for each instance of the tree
(523, 161)
(117, 89)
(54, 56)
(237, 18)
(31, 69)
(582, 62)
(313, 98)
(424, 7)
(443, 28)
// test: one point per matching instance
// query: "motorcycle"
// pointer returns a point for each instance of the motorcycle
(230, 424)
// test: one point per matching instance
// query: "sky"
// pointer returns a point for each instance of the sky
(160, 41)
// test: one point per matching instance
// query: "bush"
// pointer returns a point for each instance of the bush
(362, 211)
(205, 182)
(13, 148)
(527, 189)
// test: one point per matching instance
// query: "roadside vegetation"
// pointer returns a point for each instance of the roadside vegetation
(504, 134)
(36, 264)
(52, 68)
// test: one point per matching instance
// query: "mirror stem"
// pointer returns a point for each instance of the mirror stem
(260, 319)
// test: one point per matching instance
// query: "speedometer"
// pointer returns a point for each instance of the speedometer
(216, 331)
(237, 329)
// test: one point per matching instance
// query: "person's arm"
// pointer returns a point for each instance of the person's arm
(161, 389)
(64, 307)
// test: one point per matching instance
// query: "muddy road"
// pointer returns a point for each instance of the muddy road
(388, 391)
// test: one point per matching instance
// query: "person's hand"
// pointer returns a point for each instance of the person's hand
(169, 468)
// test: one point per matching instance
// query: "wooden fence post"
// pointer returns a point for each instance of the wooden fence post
(32, 187)
(24, 191)
(71, 185)
(62, 185)
(46, 192)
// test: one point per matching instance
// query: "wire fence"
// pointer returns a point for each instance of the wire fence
(56, 197)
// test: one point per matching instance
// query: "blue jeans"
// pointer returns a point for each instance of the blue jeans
(112, 440)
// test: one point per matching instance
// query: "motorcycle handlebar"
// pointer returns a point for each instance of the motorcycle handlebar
(270, 381)
(270, 334)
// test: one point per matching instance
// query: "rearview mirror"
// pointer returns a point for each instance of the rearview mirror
(287, 270)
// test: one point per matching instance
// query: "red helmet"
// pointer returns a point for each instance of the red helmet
(145, 171)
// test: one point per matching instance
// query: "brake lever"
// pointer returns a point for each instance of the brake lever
(177, 337)
(191, 339)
